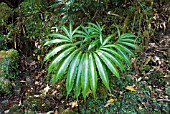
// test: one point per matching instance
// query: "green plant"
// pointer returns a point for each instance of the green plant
(9, 64)
(84, 52)
(5, 85)
(3, 45)
(80, 10)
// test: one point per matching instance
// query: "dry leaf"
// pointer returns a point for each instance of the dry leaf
(46, 89)
(73, 104)
(38, 57)
(110, 100)
(107, 104)
(140, 108)
(131, 89)
(147, 60)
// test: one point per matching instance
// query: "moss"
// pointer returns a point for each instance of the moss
(8, 69)
(15, 109)
(9, 63)
(5, 12)
(5, 85)
(13, 55)
(39, 103)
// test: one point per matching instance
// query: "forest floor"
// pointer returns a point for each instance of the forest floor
(149, 80)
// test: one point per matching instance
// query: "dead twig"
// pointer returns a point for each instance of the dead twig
(167, 100)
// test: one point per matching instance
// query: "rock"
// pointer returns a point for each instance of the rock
(9, 63)
(17, 88)
(15, 109)
(39, 103)
(67, 111)
(5, 85)
(8, 69)
(5, 12)
(3, 44)
(12, 3)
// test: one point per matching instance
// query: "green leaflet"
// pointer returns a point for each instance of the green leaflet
(127, 35)
(92, 74)
(55, 41)
(64, 66)
(113, 52)
(56, 50)
(72, 72)
(59, 58)
(124, 56)
(118, 31)
(93, 44)
(85, 31)
(101, 38)
(130, 45)
(127, 40)
(70, 30)
(126, 49)
(97, 30)
(97, 27)
(102, 71)
(75, 30)
(107, 39)
(116, 61)
(59, 36)
(64, 28)
(85, 76)
(77, 86)
(109, 64)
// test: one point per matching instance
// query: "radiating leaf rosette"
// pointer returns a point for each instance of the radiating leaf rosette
(83, 55)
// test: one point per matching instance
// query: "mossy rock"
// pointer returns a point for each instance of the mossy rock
(5, 85)
(39, 103)
(5, 12)
(9, 63)
(15, 109)
(8, 69)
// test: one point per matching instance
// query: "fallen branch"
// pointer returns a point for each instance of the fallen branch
(168, 100)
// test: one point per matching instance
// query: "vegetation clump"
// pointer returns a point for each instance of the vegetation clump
(5, 12)
(99, 64)
(8, 68)
(88, 54)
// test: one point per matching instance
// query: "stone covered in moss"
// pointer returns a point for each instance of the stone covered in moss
(9, 63)
(8, 69)
(39, 103)
(5, 85)
(5, 12)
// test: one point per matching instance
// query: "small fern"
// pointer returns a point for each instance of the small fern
(83, 55)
